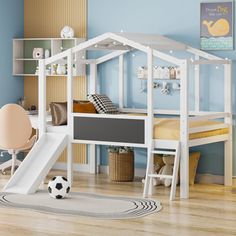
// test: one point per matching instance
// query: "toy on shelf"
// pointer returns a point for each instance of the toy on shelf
(67, 32)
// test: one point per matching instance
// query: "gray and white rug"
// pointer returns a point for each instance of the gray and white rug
(83, 204)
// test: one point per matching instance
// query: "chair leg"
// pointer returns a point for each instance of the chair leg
(13, 163)
(5, 165)
(18, 162)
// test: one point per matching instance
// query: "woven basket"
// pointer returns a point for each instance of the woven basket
(121, 166)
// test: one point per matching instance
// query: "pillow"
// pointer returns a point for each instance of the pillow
(193, 163)
(59, 113)
(102, 104)
(84, 107)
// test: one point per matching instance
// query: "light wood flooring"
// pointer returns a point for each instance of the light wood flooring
(211, 210)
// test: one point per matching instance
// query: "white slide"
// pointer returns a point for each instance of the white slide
(37, 164)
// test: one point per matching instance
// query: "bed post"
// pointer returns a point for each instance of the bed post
(121, 81)
(228, 147)
(93, 169)
(150, 161)
(197, 85)
(69, 116)
(184, 132)
(42, 97)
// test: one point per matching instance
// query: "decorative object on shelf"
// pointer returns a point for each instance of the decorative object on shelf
(178, 72)
(166, 73)
(47, 53)
(74, 70)
(217, 25)
(165, 88)
(67, 32)
(21, 102)
(157, 72)
(156, 85)
(171, 72)
(37, 70)
(48, 71)
(121, 164)
(176, 86)
(32, 110)
(38, 53)
(142, 72)
(61, 69)
(54, 69)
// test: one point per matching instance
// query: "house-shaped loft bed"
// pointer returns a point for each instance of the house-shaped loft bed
(137, 130)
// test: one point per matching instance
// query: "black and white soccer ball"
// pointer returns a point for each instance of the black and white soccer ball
(58, 187)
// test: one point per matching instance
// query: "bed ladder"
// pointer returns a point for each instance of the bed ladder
(165, 148)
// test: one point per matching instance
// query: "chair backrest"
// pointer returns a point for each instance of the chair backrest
(15, 127)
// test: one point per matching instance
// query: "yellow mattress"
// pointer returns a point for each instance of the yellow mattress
(168, 128)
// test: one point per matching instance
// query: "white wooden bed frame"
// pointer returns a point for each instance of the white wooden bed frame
(153, 46)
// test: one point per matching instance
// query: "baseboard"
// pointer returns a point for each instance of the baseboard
(76, 167)
(234, 180)
(140, 172)
(209, 179)
(200, 178)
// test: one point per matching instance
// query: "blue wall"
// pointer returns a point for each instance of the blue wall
(11, 26)
(178, 20)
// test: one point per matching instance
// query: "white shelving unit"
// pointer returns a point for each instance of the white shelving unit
(25, 65)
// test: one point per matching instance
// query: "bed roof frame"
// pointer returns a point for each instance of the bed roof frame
(154, 46)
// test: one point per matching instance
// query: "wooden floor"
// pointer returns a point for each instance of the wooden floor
(211, 210)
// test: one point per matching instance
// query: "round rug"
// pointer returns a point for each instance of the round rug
(83, 204)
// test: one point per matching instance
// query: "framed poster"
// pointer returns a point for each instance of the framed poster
(217, 25)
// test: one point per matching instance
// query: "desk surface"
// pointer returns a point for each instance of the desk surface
(50, 128)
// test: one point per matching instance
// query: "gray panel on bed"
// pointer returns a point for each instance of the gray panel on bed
(110, 130)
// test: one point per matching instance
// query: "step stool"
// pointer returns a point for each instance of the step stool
(165, 148)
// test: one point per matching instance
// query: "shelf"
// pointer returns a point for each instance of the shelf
(34, 75)
(25, 65)
(160, 79)
(25, 59)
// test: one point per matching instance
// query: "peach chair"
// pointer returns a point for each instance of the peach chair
(15, 134)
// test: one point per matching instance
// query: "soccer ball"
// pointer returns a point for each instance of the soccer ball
(58, 187)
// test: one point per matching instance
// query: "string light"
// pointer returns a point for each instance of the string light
(171, 51)
(217, 67)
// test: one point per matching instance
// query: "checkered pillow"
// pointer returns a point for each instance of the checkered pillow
(102, 104)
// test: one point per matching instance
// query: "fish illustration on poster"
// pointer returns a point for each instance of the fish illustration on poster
(217, 25)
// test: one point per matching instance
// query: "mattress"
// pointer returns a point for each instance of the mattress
(168, 128)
